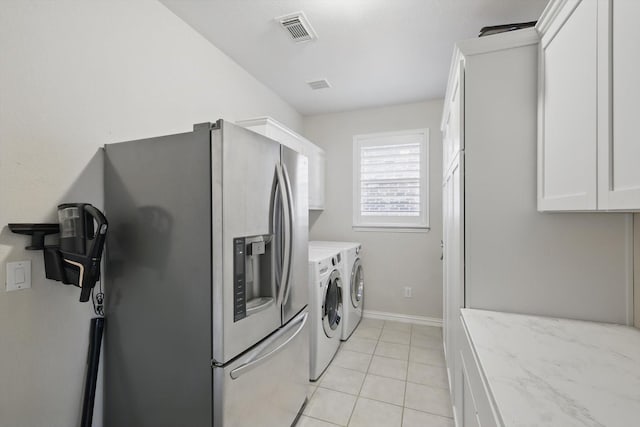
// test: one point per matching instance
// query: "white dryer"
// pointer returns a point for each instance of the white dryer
(325, 294)
(353, 276)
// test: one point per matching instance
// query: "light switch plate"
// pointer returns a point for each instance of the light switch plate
(18, 275)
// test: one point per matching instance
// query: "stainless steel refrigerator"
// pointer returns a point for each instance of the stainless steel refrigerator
(206, 280)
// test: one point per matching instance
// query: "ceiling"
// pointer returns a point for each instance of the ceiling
(372, 52)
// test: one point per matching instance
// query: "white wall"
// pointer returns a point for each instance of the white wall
(392, 260)
(75, 75)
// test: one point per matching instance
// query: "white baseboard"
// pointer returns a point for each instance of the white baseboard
(405, 318)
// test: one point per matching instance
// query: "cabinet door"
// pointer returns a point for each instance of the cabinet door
(469, 411)
(446, 226)
(619, 143)
(453, 129)
(567, 145)
(453, 290)
(317, 164)
(476, 406)
(285, 136)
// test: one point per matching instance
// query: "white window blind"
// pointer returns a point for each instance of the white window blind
(390, 180)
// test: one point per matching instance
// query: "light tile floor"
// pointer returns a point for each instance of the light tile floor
(388, 374)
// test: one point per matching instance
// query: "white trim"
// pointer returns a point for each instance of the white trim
(550, 13)
(277, 131)
(561, 15)
(267, 121)
(387, 229)
(404, 318)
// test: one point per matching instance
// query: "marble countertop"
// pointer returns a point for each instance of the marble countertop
(543, 371)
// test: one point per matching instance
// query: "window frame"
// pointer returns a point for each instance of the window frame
(391, 223)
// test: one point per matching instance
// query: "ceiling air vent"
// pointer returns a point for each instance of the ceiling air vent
(298, 27)
(319, 84)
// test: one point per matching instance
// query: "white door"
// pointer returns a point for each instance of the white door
(447, 197)
(453, 220)
(452, 131)
(619, 144)
(567, 146)
(469, 412)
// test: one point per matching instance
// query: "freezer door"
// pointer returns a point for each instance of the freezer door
(267, 386)
(244, 179)
(296, 171)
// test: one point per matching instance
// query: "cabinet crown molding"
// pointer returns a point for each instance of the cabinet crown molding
(551, 12)
(269, 121)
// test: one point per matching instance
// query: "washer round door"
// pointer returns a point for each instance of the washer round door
(332, 305)
(357, 284)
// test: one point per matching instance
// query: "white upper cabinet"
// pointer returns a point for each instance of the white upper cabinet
(587, 153)
(279, 132)
(568, 111)
(317, 166)
(619, 153)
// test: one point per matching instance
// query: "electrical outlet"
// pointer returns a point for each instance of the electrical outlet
(408, 292)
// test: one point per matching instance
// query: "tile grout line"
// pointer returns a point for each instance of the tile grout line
(365, 378)
(431, 386)
(320, 419)
(386, 376)
(404, 398)
(368, 373)
(380, 401)
(374, 399)
(412, 337)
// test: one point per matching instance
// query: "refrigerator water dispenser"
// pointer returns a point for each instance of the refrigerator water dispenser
(254, 287)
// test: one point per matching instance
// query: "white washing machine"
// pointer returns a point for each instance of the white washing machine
(325, 295)
(353, 277)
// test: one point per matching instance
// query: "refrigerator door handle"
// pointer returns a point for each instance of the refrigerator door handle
(286, 261)
(290, 236)
(263, 352)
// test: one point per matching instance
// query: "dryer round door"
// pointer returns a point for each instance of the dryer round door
(357, 284)
(332, 305)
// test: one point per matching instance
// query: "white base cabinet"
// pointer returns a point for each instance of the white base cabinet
(499, 252)
(588, 147)
(476, 402)
(317, 162)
